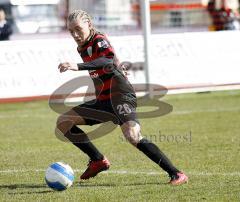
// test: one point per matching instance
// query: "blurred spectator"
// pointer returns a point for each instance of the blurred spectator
(224, 13)
(5, 27)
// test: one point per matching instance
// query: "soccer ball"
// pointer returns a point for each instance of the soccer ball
(59, 176)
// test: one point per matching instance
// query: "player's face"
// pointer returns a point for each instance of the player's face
(80, 30)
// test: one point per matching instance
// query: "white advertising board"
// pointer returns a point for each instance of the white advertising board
(29, 68)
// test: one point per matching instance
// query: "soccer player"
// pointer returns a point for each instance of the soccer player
(115, 100)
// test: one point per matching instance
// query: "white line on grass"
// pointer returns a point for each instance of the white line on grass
(127, 172)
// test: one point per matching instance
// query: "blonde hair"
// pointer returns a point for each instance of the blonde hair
(81, 14)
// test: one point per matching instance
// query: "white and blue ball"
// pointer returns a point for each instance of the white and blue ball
(59, 176)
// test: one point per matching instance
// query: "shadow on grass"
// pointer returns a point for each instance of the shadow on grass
(30, 192)
(83, 184)
(17, 186)
(26, 186)
(36, 187)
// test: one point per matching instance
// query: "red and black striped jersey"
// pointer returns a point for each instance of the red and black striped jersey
(108, 79)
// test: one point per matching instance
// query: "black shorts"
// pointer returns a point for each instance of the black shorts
(119, 110)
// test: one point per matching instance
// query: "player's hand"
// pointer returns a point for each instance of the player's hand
(67, 66)
(124, 69)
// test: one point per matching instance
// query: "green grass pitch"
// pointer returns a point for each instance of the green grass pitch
(201, 136)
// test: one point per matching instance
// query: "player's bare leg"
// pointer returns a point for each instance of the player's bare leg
(67, 126)
(132, 133)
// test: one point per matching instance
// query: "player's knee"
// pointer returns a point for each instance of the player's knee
(133, 137)
(132, 132)
(64, 123)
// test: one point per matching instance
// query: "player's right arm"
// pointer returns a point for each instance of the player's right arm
(67, 66)
(105, 56)
(96, 64)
